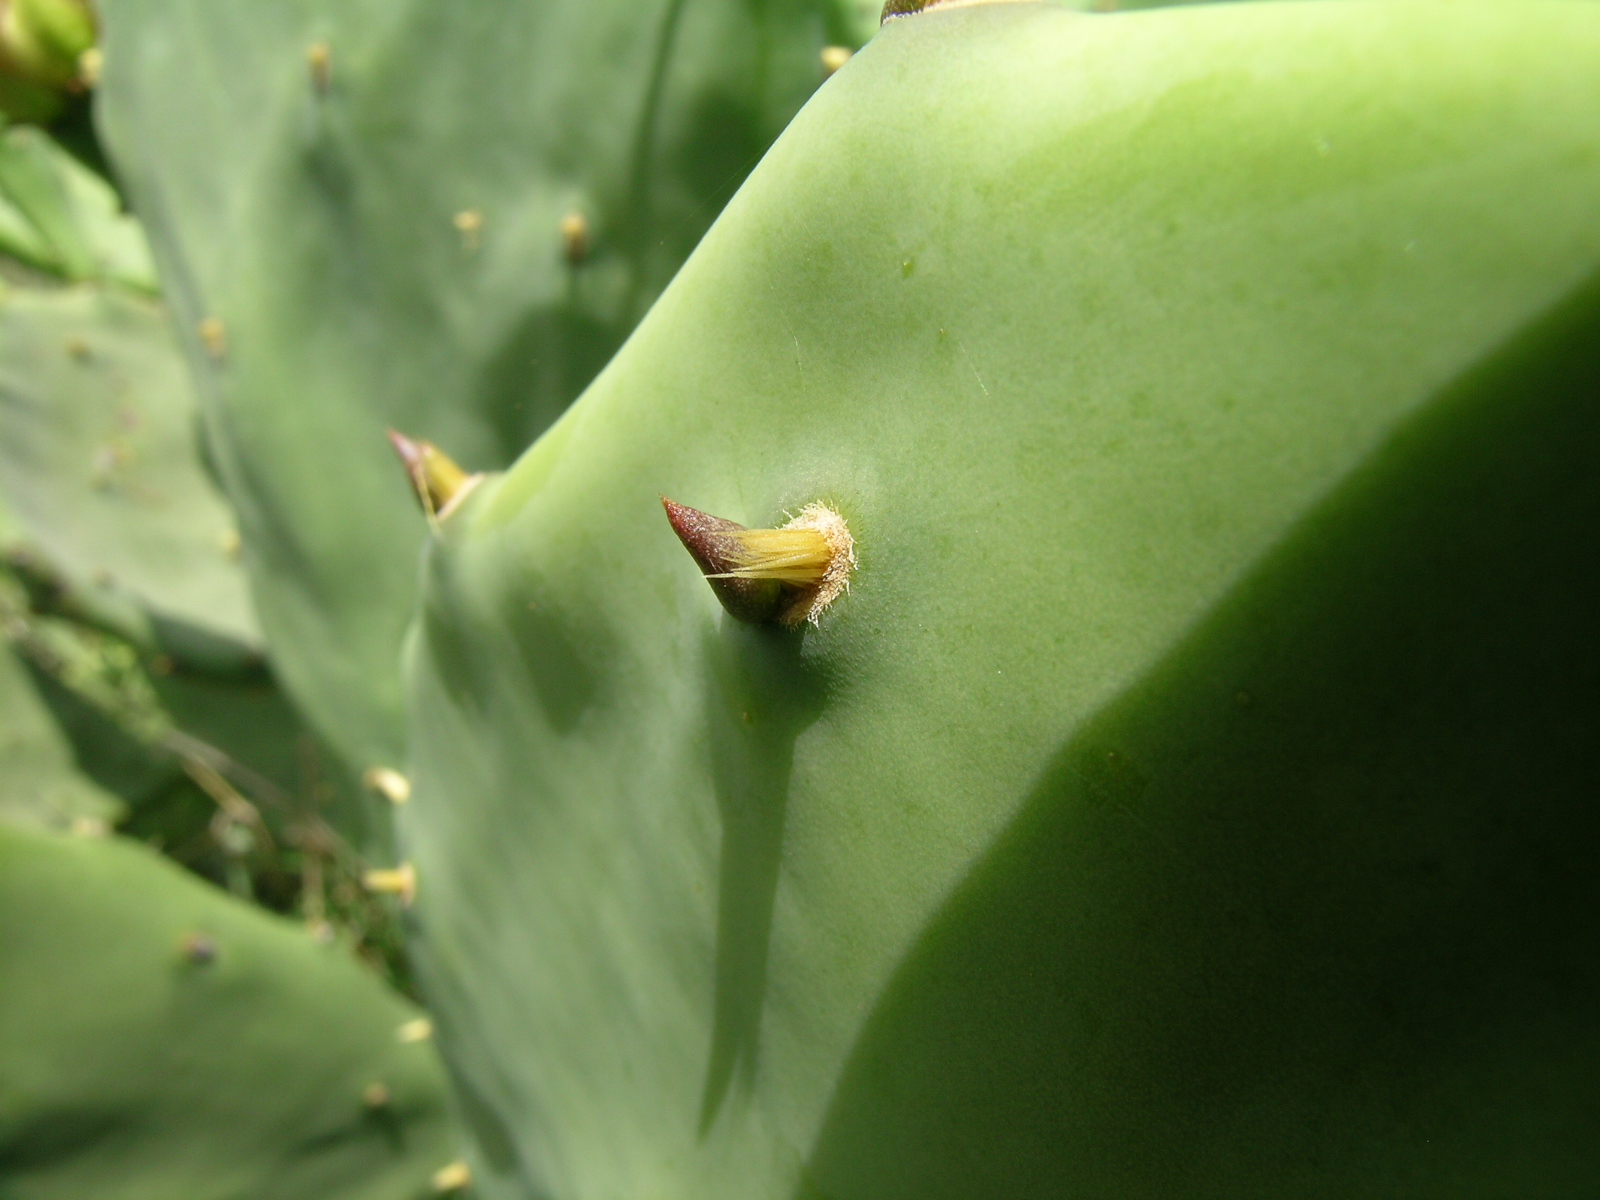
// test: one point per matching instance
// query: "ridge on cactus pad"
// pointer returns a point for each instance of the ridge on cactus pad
(372, 217)
(1194, 794)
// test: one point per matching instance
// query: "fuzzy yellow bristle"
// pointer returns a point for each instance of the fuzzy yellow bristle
(452, 1178)
(797, 556)
(396, 881)
(418, 1029)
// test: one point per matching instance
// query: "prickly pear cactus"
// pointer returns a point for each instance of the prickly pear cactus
(438, 218)
(119, 575)
(98, 461)
(1193, 791)
(160, 1039)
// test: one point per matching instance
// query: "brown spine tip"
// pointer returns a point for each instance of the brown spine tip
(705, 537)
(788, 575)
(198, 949)
(440, 484)
(906, 8)
(901, 8)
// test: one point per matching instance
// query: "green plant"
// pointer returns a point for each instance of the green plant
(1120, 717)
(120, 585)
(1192, 793)
(160, 1039)
(447, 220)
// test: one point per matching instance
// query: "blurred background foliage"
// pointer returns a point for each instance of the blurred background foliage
(133, 645)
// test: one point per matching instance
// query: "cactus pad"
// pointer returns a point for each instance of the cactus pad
(160, 1039)
(1193, 795)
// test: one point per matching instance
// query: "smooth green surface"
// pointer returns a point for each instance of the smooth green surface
(129, 1072)
(1194, 793)
(99, 461)
(317, 222)
(40, 785)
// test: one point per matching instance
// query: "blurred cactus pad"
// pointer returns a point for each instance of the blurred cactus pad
(1193, 794)
(159, 1039)
(436, 216)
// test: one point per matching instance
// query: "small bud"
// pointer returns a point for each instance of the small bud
(452, 1178)
(375, 1095)
(198, 949)
(834, 57)
(400, 881)
(574, 237)
(228, 542)
(419, 1029)
(440, 484)
(388, 783)
(91, 65)
(469, 223)
(214, 336)
(788, 575)
(319, 58)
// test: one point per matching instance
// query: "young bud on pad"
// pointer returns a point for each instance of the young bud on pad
(440, 484)
(788, 575)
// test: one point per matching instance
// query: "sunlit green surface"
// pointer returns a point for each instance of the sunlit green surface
(1194, 794)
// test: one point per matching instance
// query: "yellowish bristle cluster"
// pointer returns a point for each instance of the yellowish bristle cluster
(813, 553)
(797, 556)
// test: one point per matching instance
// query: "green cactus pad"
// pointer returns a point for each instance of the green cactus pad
(40, 784)
(1194, 793)
(99, 461)
(158, 1039)
(59, 217)
(370, 202)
